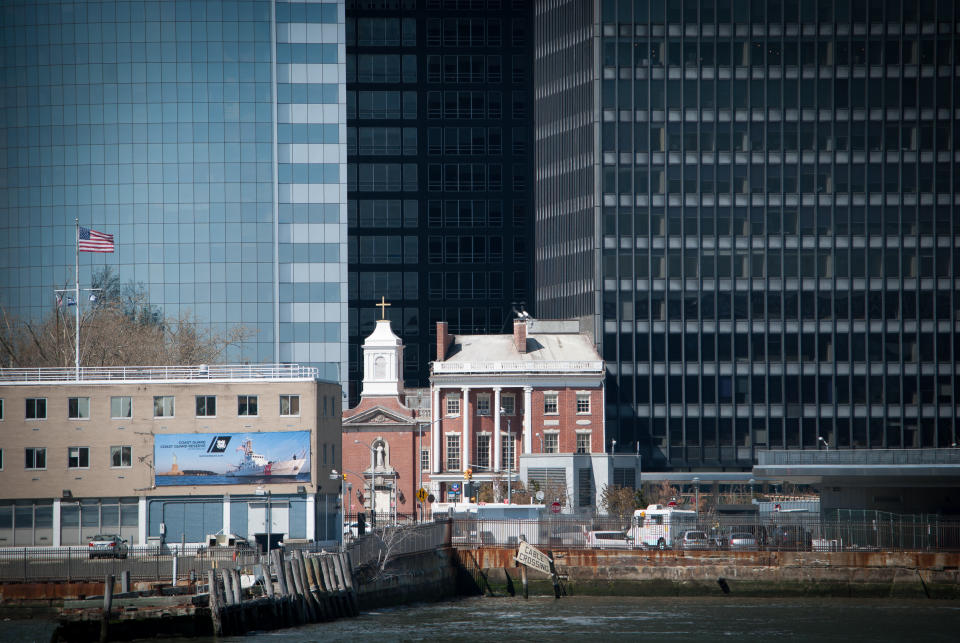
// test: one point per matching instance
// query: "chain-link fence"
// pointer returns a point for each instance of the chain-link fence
(146, 564)
(777, 533)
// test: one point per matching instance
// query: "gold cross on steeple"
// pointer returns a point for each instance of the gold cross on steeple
(383, 307)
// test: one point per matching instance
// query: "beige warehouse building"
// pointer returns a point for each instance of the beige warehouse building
(168, 454)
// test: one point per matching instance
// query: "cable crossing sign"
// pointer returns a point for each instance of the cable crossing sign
(532, 557)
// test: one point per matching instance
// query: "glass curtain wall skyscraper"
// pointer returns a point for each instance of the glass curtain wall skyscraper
(208, 136)
(756, 205)
(440, 150)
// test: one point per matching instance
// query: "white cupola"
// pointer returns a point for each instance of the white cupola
(382, 361)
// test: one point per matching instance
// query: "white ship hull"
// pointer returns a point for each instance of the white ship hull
(287, 468)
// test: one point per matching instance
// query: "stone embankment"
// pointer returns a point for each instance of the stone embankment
(760, 573)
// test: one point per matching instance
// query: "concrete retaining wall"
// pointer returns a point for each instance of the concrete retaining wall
(933, 575)
(426, 576)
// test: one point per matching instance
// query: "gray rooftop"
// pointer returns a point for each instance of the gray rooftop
(545, 351)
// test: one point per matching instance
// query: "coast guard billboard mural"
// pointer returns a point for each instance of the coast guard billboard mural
(231, 458)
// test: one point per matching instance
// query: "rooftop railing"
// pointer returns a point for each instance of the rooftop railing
(521, 366)
(860, 457)
(141, 373)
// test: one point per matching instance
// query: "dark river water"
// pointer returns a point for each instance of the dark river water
(618, 619)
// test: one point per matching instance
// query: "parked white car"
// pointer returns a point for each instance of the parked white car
(609, 540)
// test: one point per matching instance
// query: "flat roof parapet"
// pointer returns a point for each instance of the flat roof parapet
(117, 374)
(859, 457)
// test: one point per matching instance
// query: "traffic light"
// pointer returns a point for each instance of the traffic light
(468, 474)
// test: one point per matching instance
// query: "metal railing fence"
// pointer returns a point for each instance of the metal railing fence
(38, 564)
(785, 532)
(391, 542)
(859, 457)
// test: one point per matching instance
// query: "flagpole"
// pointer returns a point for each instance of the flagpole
(76, 299)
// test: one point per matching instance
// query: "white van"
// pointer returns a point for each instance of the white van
(609, 540)
(662, 526)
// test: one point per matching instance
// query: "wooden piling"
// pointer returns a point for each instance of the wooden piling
(330, 583)
(523, 581)
(310, 585)
(238, 600)
(214, 603)
(347, 571)
(302, 588)
(554, 577)
(297, 601)
(277, 558)
(227, 589)
(237, 589)
(107, 606)
(267, 580)
(313, 566)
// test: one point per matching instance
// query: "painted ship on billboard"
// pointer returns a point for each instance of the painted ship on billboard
(256, 465)
(212, 459)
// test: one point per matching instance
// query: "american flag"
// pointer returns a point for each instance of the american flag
(93, 241)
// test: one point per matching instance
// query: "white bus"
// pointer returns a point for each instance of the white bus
(661, 526)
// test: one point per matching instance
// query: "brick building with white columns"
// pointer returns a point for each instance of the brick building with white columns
(502, 402)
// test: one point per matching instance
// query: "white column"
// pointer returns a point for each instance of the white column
(436, 420)
(603, 418)
(311, 517)
(226, 514)
(465, 440)
(496, 428)
(142, 520)
(56, 522)
(527, 419)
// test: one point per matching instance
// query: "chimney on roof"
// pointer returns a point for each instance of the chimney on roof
(443, 340)
(520, 335)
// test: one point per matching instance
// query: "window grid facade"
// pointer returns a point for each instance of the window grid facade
(206, 405)
(121, 406)
(778, 221)
(483, 452)
(161, 129)
(78, 408)
(453, 452)
(289, 405)
(439, 114)
(583, 443)
(247, 405)
(551, 442)
(508, 458)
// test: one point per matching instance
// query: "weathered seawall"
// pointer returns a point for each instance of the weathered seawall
(422, 577)
(768, 573)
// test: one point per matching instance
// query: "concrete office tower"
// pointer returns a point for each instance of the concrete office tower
(440, 150)
(208, 137)
(754, 205)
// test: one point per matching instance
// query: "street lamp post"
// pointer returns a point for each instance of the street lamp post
(696, 482)
(343, 514)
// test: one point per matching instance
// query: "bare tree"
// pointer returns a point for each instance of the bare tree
(659, 494)
(618, 501)
(388, 544)
(121, 327)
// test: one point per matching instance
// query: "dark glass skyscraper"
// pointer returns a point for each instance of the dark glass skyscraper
(756, 206)
(439, 115)
(208, 136)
